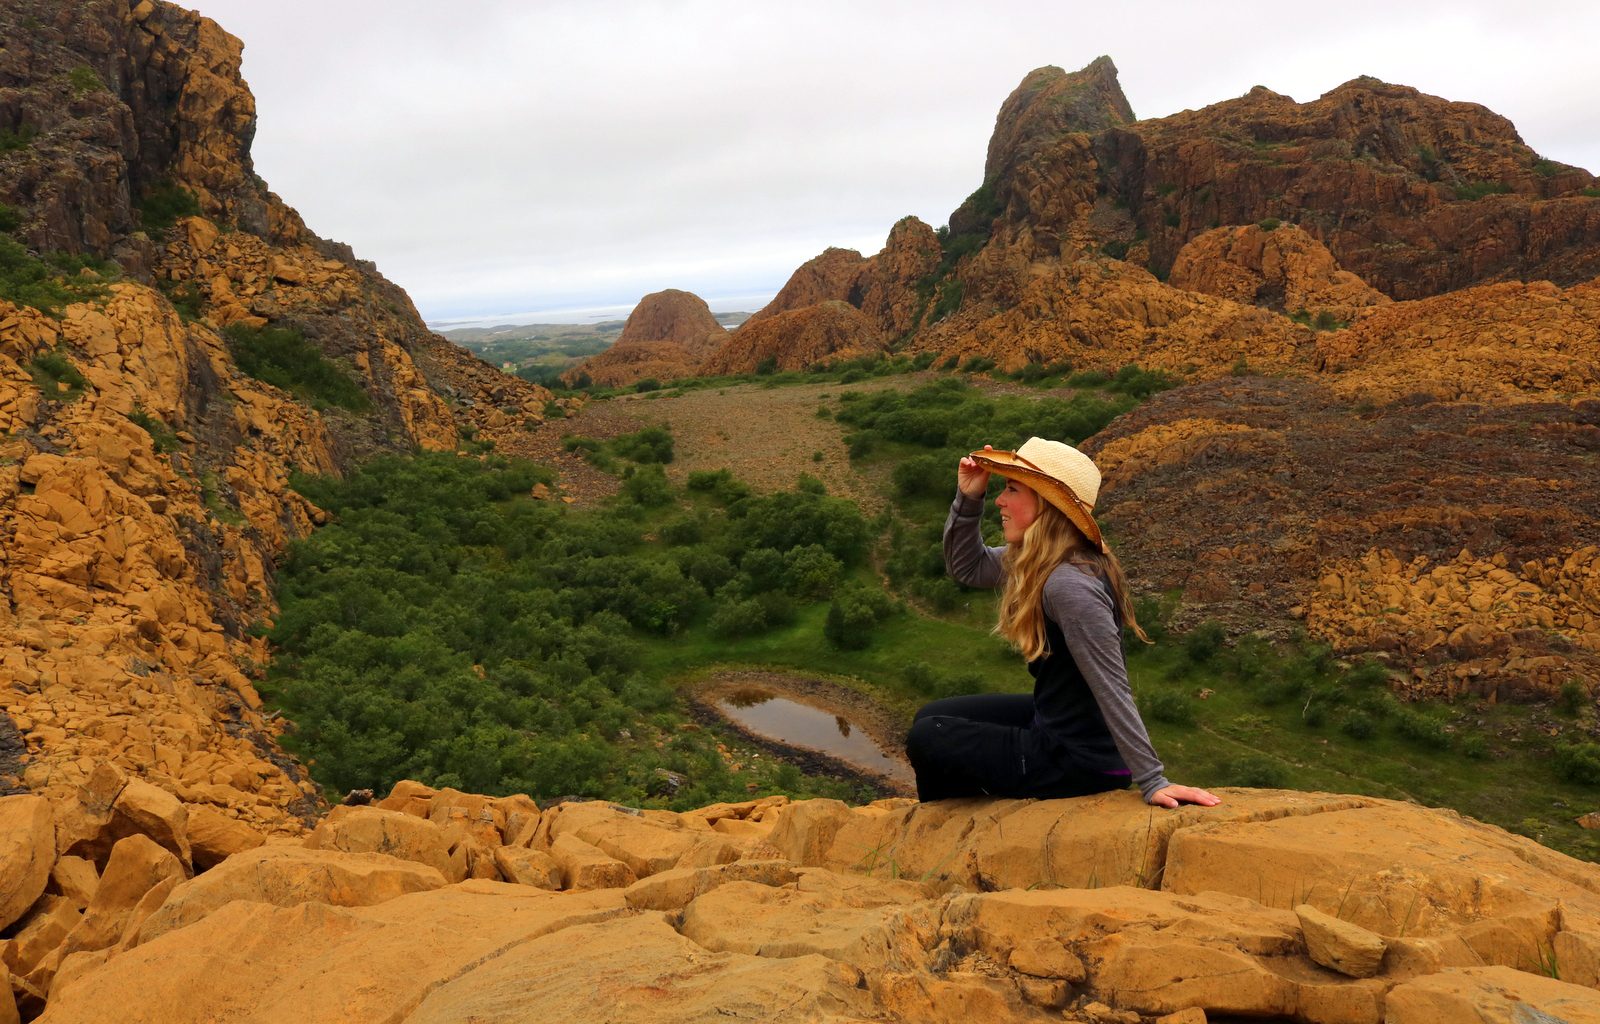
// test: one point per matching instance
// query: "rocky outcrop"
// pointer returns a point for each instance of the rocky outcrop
(1297, 906)
(668, 335)
(1373, 521)
(144, 478)
(799, 339)
(1280, 268)
(826, 277)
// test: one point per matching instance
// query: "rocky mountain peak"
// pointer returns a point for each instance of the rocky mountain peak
(1050, 102)
(670, 315)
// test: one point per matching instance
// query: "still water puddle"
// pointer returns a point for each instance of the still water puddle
(801, 725)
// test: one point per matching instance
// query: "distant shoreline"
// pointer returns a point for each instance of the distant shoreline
(593, 316)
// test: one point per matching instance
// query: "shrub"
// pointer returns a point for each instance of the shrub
(652, 444)
(647, 486)
(1202, 643)
(56, 377)
(1474, 190)
(165, 204)
(647, 384)
(185, 298)
(1168, 706)
(1573, 698)
(924, 476)
(950, 296)
(1475, 746)
(282, 357)
(719, 483)
(20, 137)
(1256, 770)
(1422, 727)
(1357, 724)
(27, 280)
(84, 80)
(739, 618)
(1268, 224)
(811, 572)
(1172, 219)
(163, 436)
(1592, 193)
(1579, 762)
(10, 217)
(1116, 249)
(852, 614)
(977, 364)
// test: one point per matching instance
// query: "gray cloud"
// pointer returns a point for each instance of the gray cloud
(500, 156)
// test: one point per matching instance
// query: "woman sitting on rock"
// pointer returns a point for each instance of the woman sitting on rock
(1063, 603)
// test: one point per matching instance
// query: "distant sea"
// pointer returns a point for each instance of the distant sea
(587, 314)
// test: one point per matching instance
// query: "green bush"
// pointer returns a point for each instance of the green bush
(1168, 706)
(27, 280)
(164, 205)
(84, 80)
(1202, 643)
(1269, 224)
(1473, 190)
(20, 137)
(1573, 698)
(282, 357)
(652, 444)
(949, 300)
(1422, 727)
(647, 384)
(185, 297)
(1255, 770)
(852, 616)
(56, 377)
(10, 218)
(163, 436)
(1357, 724)
(719, 483)
(647, 486)
(1579, 763)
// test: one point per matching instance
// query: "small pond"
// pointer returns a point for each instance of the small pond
(797, 724)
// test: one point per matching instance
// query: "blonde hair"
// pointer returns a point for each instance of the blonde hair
(1050, 540)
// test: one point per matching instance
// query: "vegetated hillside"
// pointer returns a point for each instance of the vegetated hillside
(174, 342)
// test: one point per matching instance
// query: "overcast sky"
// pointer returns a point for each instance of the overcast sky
(497, 157)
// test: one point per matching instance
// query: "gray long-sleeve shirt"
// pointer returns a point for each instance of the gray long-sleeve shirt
(1080, 606)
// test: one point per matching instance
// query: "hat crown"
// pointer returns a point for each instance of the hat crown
(1065, 464)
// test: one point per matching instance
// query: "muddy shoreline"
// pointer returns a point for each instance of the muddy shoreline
(884, 726)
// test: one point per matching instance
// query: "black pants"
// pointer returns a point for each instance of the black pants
(984, 745)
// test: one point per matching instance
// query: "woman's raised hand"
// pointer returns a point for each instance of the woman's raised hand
(972, 478)
(1172, 796)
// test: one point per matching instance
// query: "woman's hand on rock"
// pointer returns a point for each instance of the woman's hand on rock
(1172, 796)
(971, 478)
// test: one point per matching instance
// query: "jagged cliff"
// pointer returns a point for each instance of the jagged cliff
(143, 475)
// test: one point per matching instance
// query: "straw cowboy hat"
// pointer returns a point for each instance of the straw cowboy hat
(1062, 475)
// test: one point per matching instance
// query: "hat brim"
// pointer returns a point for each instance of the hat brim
(1058, 494)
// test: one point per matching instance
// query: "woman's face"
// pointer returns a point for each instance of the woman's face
(1019, 507)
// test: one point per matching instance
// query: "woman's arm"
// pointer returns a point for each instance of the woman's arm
(966, 558)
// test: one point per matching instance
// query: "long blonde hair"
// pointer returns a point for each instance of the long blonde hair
(1050, 540)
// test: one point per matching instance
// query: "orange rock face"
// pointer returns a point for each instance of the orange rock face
(801, 338)
(669, 334)
(1015, 909)
(1283, 269)
(141, 509)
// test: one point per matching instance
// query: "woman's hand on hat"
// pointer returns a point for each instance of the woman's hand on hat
(971, 478)
(1173, 796)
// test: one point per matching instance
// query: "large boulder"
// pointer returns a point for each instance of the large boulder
(28, 851)
(285, 876)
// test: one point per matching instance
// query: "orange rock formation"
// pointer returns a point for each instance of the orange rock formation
(445, 906)
(669, 334)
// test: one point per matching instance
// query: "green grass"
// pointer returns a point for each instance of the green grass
(55, 376)
(47, 284)
(1474, 190)
(84, 80)
(282, 357)
(20, 137)
(163, 436)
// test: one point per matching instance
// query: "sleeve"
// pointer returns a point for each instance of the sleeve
(966, 558)
(1081, 607)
